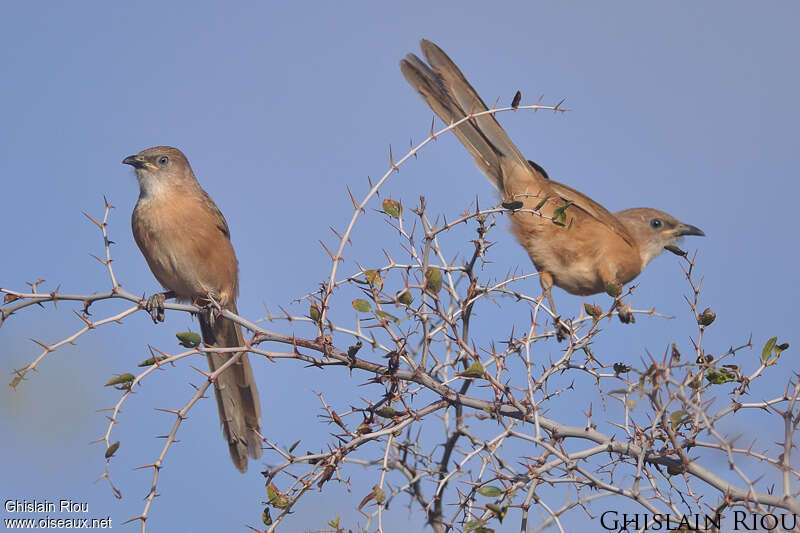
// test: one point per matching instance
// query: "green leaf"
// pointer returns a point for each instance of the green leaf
(560, 214)
(766, 352)
(313, 312)
(386, 316)
(277, 499)
(594, 311)
(433, 280)
(512, 205)
(676, 418)
(675, 250)
(111, 450)
(542, 202)
(386, 412)
(405, 298)
(499, 512)
(475, 370)
(706, 318)
(151, 361)
(393, 208)
(265, 517)
(362, 306)
(719, 376)
(373, 277)
(613, 289)
(772, 351)
(490, 491)
(473, 525)
(188, 339)
(121, 379)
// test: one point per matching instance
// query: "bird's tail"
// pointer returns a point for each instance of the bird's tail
(235, 389)
(450, 95)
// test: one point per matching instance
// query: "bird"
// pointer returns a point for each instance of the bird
(574, 242)
(186, 242)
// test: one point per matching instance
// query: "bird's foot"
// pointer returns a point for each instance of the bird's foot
(155, 306)
(209, 311)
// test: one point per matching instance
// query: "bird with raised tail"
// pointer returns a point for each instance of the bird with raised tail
(573, 241)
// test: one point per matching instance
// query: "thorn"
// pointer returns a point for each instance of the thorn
(352, 199)
(85, 320)
(140, 517)
(101, 260)
(206, 374)
(171, 411)
(288, 316)
(350, 242)
(99, 224)
(35, 284)
(333, 257)
(433, 131)
(43, 345)
(152, 349)
(391, 160)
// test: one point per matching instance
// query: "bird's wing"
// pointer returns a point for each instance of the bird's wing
(592, 208)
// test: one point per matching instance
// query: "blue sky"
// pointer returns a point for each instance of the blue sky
(687, 107)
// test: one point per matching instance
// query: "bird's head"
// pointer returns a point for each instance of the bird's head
(159, 166)
(653, 230)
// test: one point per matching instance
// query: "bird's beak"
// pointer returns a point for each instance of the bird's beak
(688, 229)
(135, 161)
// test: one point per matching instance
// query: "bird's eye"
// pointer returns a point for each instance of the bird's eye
(655, 223)
(163, 160)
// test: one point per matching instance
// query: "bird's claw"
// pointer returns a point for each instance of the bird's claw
(209, 313)
(155, 306)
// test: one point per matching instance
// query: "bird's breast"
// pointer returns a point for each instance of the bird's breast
(184, 248)
(582, 259)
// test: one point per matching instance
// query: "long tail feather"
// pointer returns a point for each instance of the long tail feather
(235, 389)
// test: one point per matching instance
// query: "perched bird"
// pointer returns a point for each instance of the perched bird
(185, 240)
(573, 241)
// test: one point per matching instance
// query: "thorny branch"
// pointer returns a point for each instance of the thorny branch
(468, 422)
